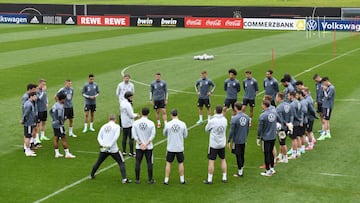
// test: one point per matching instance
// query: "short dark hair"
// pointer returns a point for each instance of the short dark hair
(112, 117)
(268, 98)
(266, 103)
(42, 80)
(32, 94)
(292, 94)
(300, 93)
(31, 86)
(270, 71)
(282, 80)
(61, 96)
(238, 106)
(233, 71)
(325, 79)
(287, 77)
(299, 82)
(67, 80)
(128, 94)
(248, 71)
(145, 111)
(91, 75)
(174, 112)
(126, 75)
(158, 73)
(218, 109)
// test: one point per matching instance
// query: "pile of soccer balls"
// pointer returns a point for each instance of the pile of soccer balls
(204, 57)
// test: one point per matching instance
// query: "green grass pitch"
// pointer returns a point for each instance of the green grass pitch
(27, 53)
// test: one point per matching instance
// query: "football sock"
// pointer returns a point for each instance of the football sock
(240, 171)
(182, 179)
(200, 117)
(166, 179)
(158, 121)
(210, 177)
(57, 151)
(85, 125)
(70, 130)
(224, 176)
(66, 151)
(91, 125)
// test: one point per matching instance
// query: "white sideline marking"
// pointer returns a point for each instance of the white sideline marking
(335, 175)
(163, 140)
(87, 152)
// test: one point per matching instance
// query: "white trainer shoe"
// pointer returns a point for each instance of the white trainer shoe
(58, 155)
(70, 156)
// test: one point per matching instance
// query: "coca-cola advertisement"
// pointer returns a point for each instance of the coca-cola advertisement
(198, 22)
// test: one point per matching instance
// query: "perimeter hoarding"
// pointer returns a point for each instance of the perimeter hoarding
(331, 25)
(104, 20)
(13, 18)
(274, 24)
(200, 22)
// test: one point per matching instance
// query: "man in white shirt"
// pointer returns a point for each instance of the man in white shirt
(127, 116)
(107, 138)
(123, 87)
(176, 131)
(143, 132)
(217, 142)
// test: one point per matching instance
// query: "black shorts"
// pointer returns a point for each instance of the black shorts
(229, 102)
(159, 104)
(28, 131)
(42, 116)
(203, 102)
(326, 113)
(69, 113)
(251, 102)
(296, 132)
(319, 108)
(309, 126)
(59, 132)
(90, 107)
(170, 156)
(212, 153)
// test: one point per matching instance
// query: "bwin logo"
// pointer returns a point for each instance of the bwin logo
(311, 25)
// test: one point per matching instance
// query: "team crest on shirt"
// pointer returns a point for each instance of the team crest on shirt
(143, 126)
(88, 89)
(219, 130)
(271, 117)
(243, 121)
(107, 129)
(287, 108)
(175, 128)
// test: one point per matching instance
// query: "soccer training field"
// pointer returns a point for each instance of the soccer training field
(329, 173)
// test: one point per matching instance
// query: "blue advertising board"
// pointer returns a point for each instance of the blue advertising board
(330, 25)
(13, 18)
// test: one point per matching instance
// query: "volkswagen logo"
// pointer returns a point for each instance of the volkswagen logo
(311, 25)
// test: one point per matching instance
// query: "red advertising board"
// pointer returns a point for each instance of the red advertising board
(104, 20)
(233, 23)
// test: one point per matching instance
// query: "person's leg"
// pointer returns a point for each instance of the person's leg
(102, 157)
(92, 114)
(139, 156)
(223, 169)
(86, 121)
(131, 143)
(164, 116)
(124, 139)
(120, 161)
(149, 160)
(210, 170)
(200, 113)
(167, 172)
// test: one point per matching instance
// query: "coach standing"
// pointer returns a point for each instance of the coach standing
(267, 132)
(107, 138)
(143, 132)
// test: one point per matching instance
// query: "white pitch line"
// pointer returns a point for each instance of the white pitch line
(335, 175)
(163, 140)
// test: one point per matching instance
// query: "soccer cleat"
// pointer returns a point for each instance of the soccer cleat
(283, 161)
(292, 157)
(183, 182)
(327, 136)
(58, 155)
(30, 154)
(159, 125)
(238, 175)
(70, 156)
(322, 137)
(124, 153)
(309, 148)
(320, 131)
(262, 166)
(91, 177)
(272, 171)
(224, 180)
(38, 145)
(152, 181)
(199, 122)
(267, 173)
(132, 154)
(207, 182)
(72, 135)
(92, 129)
(166, 183)
(44, 138)
(85, 130)
(289, 152)
(125, 181)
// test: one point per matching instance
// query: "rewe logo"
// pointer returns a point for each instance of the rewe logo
(34, 20)
(69, 21)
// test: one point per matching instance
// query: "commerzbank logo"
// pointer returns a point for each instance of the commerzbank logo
(300, 24)
(311, 25)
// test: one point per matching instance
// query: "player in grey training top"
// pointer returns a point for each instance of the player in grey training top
(176, 131)
(251, 88)
(68, 105)
(217, 142)
(204, 87)
(29, 121)
(90, 91)
(232, 88)
(58, 119)
(159, 97)
(42, 104)
(327, 106)
(288, 88)
(239, 130)
(267, 132)
(29, 88)
(271, 86)
(311, 115)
